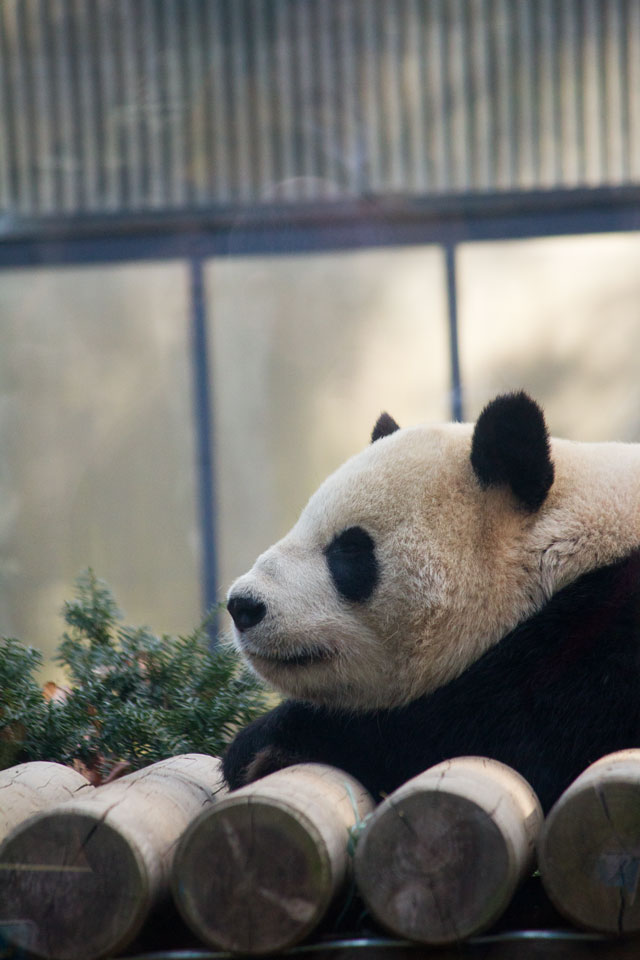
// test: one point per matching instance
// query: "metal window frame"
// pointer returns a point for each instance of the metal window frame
(195, 237)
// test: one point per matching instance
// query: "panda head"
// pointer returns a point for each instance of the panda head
(422, 551)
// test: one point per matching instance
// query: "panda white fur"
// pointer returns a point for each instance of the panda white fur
(452, 590)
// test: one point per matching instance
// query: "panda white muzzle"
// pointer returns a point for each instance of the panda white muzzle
(246, 612)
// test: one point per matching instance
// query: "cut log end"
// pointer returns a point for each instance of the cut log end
(435, 869)
(441, 858)
(253, 878)
(70, 886)
(78, 880)
(589, 853)
(257, 873)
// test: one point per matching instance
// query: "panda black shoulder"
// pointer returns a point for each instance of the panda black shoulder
(558, 692)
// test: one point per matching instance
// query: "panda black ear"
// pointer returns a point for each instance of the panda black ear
(384, 426)
(510, 447)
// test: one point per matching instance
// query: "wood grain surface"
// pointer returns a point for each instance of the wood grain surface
(78, 880)
(30, 787)
(441, 858)
(589, 851)
(257, 874)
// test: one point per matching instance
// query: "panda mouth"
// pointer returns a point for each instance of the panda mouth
(302, 658)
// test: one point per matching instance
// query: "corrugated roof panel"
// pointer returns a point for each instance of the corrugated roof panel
(133, 105)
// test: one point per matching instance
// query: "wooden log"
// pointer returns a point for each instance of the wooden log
(441, 858)
(77, 881)
(30, 787)
(256, 874)
(589, 850)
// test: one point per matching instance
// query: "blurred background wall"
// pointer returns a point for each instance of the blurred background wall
(233, 231)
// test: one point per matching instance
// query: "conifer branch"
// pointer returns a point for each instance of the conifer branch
(132, 698)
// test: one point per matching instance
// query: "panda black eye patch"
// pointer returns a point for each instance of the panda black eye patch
(352, 563)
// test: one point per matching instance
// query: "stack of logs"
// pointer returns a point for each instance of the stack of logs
(255, 871)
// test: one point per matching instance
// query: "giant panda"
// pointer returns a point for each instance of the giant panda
(452, 590)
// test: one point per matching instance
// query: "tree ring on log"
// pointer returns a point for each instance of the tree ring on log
(589, 852)
(435, 868)
(71, 887)
(264, 875)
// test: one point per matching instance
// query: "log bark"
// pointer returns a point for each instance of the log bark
(257, 873)
(589, 850)
(30, 787)
(77, 881)
(441, 858)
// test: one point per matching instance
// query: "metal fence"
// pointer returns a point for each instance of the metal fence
(110, 106)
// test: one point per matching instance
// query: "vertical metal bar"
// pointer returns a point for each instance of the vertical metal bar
(438, 86)
(89, 114)
(593, 94)
(305, 70)
(60, 51)
(8, 173)
(23, 131)
(454, 353)
(462, 118)
(107, 74)
(418, 98)
(55, 149)
(221, 110)
(78, 161)
(350, 127)
(153, 107)
(203, 430)
(195, 104)
(481, 98)
(371, 64)
(118, 108)
(264, 75)
(547, 97)
(133, 102)
(332, 169)
(569, 96)
(28, 49)
(286, 117)
(164, 105)
(603, 168)
(622, 30)
(175, 108)
(633, 88)
(555, 119)
(392, 102)
(503, 93)
(94, 120)
(613, 92)
(242, 98)
(249, 42)
(528, 171)
(324, 187)
(580, 56)
(6, 194)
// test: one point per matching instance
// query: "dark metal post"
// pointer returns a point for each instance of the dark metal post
(203, 424)
(452, 303)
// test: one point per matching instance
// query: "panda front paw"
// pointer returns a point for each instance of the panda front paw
(256, 752)
(268, 760)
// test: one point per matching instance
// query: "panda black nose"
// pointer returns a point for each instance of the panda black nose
(246, 611)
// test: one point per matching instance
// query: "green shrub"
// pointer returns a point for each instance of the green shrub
(23, 709)
(132, 697)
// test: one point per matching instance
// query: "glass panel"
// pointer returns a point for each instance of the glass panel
(560, 317)
(307, 351)
(97, 445)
